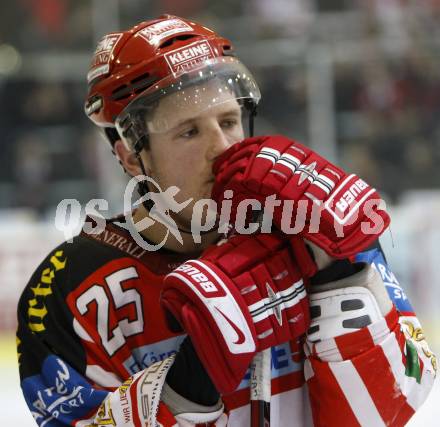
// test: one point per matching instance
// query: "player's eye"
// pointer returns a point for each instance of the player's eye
(228, 123)
(189, 133)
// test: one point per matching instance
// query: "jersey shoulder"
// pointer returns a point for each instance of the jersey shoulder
(70, 263)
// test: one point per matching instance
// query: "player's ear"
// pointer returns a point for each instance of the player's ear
(127, 158)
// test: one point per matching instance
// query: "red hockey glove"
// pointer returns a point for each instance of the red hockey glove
(240, 298)
(340, 212)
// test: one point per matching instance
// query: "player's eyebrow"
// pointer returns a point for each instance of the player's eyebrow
(230, 112)
(183, 123)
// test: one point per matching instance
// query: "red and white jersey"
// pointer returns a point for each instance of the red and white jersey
(94, 349)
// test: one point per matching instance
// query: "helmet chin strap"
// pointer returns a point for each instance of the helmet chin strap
(252, 115)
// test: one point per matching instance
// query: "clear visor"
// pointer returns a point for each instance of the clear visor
(216, 86)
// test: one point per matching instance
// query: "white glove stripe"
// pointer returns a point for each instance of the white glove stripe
(327, 180)
(322, 187)
(269, 154)
(289, 158)
(267, 157)
(265, 334)
(280, 295)
(297, 168)
(293, 164)
(270, 151)
(316, 178)
(248, 289)
(294, 147)
(285, 299)
(333, 172)
(299, 286)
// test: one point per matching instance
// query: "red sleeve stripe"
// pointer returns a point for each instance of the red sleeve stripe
(356, 393)
(403, 416)
(392, 318)
(371, 385)
(379, 380)
(326, 397)
(352, 344)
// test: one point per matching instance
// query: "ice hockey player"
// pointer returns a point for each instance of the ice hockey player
(111, 333)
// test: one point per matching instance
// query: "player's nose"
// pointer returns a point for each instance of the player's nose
(218, 142)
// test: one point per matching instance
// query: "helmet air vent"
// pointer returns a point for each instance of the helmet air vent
(137, 85)
(170, 41)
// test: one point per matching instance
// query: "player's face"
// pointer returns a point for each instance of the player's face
(183, 154)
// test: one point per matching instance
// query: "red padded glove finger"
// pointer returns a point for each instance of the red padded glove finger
(340, 211)
(277, 300)
(230, 166)
(239, 298)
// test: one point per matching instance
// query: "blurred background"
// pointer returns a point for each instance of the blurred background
(357, 80)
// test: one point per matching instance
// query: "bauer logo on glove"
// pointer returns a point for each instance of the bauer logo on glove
(347, 199)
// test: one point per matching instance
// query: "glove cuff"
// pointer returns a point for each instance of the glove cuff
(347, 305)
(366, 277)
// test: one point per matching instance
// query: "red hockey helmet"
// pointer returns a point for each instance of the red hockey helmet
(133, 69)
